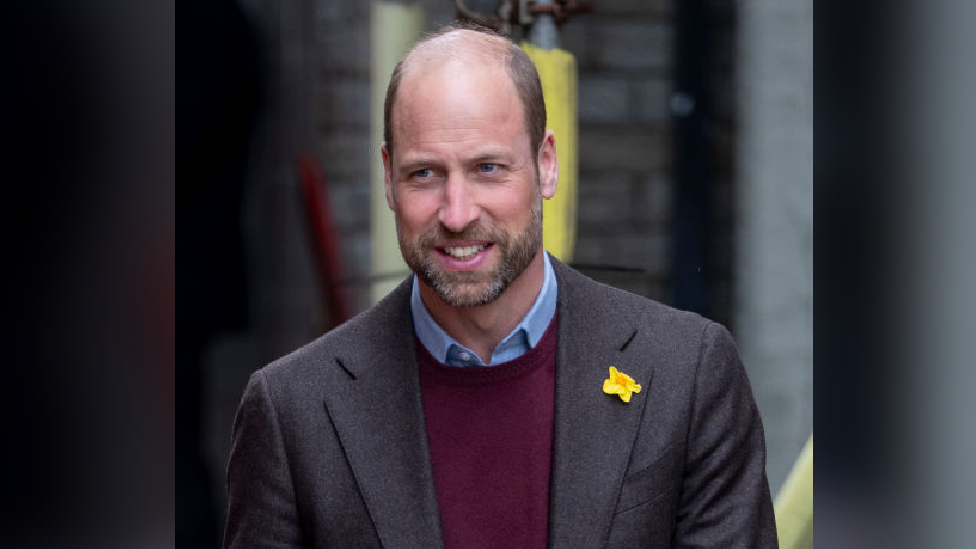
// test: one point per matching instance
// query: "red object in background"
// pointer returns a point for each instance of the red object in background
(325, 239)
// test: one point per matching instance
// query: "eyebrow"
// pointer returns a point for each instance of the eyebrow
(492, 157)
(418, 163)
(407, 168)
(483, 157)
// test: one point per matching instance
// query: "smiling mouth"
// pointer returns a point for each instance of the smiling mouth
(463, 252)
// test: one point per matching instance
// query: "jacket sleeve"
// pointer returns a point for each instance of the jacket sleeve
(260, 493)
(725, 499)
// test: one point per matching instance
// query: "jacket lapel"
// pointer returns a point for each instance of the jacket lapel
(594, 432)
(377, 409)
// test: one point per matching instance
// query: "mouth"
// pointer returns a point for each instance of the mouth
(464, 252)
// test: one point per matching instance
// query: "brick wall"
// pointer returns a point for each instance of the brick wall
(624, 54)
(342, 129)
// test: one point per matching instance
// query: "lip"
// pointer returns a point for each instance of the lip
(461, 243)
(470, 264)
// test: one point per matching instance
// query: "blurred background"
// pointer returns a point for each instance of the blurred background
(694, 187)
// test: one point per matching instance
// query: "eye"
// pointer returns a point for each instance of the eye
(424, 173)
(487, 167)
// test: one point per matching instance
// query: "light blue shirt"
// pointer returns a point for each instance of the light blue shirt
(524, 337)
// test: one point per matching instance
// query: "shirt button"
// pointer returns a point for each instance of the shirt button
(465, 357)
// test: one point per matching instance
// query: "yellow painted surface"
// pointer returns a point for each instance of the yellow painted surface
(557, 70)
(394, 27)
(794, 503)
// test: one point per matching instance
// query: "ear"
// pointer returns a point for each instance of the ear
(548, 166)
(387, 189)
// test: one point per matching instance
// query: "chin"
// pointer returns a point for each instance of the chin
(469, 295)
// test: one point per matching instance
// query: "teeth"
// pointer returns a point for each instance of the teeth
(463, 252)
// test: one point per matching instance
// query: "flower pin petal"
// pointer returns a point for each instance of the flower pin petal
(620, 384)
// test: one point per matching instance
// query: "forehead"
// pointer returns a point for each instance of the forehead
(454, 101)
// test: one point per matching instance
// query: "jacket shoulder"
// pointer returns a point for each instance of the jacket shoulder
(614, 303)
(306, 363)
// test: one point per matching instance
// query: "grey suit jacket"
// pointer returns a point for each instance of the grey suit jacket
(330, 448)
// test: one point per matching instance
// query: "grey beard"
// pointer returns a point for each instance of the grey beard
(447, 286)
(517, 252)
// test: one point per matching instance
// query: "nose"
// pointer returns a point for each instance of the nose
(458, 208)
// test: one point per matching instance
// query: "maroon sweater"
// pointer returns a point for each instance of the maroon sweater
(490, 434)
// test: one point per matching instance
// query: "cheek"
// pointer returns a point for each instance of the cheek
(513, 208)
(415, 212)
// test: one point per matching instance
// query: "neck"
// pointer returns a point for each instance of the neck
(482, 328)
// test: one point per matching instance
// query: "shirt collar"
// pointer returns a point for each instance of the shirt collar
(523, 337)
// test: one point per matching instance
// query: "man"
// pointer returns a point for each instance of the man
(474, 406)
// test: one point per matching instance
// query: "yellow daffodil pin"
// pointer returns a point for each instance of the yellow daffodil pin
(620, 384)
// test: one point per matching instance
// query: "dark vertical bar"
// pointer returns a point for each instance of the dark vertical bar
(690, 274)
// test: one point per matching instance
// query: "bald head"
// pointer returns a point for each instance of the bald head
(472, 46)
(463, 45)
